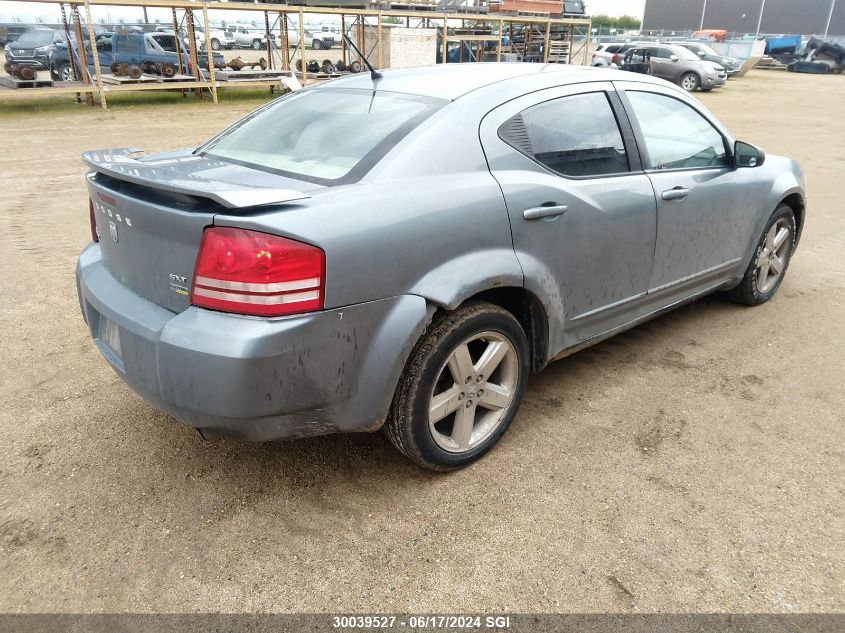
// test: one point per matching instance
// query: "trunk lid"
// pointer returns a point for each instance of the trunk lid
(151, 212)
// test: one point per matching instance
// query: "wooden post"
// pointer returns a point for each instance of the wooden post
(82, 58)
(443, 41)
(269, 41)
(361, 38)
(192, 49)
(179, 67)
(343, 38)
(94, 54)
(587, 36)
(209, 53)
(499, 47)
(302, 47)
(546, 42)
(379, 55)
(283, 19)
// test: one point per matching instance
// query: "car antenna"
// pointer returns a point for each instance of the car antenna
(373, 72)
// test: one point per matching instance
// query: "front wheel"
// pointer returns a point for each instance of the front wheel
(461, 387)
(690, 82)
(316, 44)
(771, 259)
(215, 44)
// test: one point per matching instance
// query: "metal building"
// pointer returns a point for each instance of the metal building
(799, 17)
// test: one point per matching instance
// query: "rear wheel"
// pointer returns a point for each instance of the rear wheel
(256, 45)
(461, 387)
(317, 44)
(215, 44)
(690, 82)
(771, 259)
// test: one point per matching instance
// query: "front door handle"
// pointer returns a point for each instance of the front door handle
(550, 211)
(678, 193)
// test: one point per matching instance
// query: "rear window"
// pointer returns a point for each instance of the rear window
(324, 136)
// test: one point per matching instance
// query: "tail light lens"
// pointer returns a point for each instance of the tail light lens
(614, 59)
(93, 219)
(247, 272)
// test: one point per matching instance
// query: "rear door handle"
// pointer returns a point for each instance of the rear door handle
(678, 193)
(538, 213)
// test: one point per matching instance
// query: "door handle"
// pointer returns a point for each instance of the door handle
(550, 211)
(678, 193)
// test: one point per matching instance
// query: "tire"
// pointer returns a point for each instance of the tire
(354, 67)
(64, 72)
(316, 44)
(755, 289)
(256, 45)
(689, 82)
(453, 344)
(215, 44)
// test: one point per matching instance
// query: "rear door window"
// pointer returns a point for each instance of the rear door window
(575, 136)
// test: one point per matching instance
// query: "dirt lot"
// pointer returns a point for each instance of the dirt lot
(692, 464)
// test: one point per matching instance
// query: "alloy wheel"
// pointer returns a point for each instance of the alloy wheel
(473, 392)
(771, 260)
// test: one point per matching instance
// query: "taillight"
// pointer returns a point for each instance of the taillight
(92, 218)
(248, 272)
(614, 59)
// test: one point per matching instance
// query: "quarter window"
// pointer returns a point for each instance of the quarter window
(573, 136)
(676, 136)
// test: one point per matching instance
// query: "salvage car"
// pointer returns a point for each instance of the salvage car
(482, 221)
(152, 52)
(31, 49)
(731, 64)
(683, 67)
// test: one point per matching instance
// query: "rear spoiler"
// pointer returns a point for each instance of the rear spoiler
(161, 174)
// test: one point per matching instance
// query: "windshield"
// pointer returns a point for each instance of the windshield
(706, 49)
(684, 53)
(35, 38)
(325, 136)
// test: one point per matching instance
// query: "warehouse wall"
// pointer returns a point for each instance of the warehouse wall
(780, 16)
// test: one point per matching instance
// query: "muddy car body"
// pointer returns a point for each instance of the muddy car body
(463, 237)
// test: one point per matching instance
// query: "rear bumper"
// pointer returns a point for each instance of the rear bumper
(252, 378)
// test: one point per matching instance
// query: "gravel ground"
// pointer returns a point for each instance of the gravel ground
(692, 464)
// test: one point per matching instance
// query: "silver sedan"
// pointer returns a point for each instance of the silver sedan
(402, 251)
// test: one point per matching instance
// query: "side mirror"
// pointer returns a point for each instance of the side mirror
(747, 155)
(701, 53)
(674, 58)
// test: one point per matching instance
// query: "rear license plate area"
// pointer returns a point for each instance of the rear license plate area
(109, 336)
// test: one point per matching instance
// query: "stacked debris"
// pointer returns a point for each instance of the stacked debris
(820, 56)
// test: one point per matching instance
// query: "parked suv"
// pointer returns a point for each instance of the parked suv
(610, 53)
(31, 49)
(731, 65)
(683, 67)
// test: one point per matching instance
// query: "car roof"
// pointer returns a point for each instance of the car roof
(451, 81)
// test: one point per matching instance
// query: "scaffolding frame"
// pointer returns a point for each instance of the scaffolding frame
(284, 16)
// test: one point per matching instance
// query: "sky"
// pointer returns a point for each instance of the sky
(25, 11)
(616, 8)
